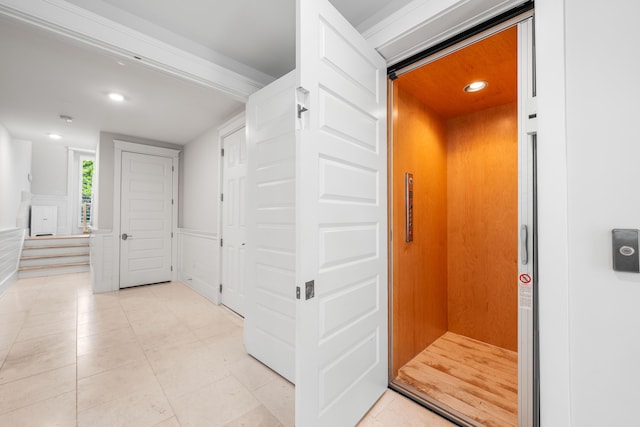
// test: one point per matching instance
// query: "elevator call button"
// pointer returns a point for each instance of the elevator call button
(625, 250)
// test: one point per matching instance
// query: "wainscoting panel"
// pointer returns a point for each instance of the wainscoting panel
(199, 262)
(10, 248)
(102, 258)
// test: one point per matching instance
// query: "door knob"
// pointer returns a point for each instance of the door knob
(125, 236)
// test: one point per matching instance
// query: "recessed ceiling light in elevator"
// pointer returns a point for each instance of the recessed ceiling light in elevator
(438, 84)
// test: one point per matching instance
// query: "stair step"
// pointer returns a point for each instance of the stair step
(53, 260)
(51, 271)
(79, 245)
(37, 252)
(59, 236)
(56, 241)
(54, 266)
(52, 256)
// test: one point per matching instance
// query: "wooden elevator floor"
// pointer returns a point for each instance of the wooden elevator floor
(476, 379)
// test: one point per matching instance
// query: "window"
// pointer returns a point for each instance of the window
(86, 191)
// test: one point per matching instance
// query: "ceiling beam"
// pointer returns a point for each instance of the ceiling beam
(83, 25)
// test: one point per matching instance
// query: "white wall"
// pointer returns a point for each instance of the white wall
(603, 152)
(199, 235)
(200, 177)
(49, 169)
(104, 156)
(15, 165)
(588, 157)
(49, 187)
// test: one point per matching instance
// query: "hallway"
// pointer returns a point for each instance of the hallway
(158, 355)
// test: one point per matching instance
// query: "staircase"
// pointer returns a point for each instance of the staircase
(49, 255)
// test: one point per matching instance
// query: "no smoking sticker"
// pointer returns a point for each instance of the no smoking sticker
(526, 293)
(525, 279)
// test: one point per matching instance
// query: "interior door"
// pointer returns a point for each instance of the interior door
(234, 224)
(341, 216)
(145, 219)
(270, 317)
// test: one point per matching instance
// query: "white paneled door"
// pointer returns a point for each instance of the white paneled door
(270, 319)
(341, 316)
(234, 224)
(317, 289)
(145, 219)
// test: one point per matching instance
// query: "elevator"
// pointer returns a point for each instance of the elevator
(462, 203)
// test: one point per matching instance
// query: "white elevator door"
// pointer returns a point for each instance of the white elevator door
(234, 224)
(145, 219)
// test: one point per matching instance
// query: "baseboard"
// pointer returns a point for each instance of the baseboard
(8, 281)
(203, 288)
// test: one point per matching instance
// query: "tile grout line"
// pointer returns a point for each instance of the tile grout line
(155, 375)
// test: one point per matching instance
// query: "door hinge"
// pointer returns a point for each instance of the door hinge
(172, 268)
(221, 240)
(222, 152)
(301, 109)
(531, 123)
(309, 289)
(172, 234)
(171, 201)
(220, 287)
(302, 100)
(222, 197)
(173, 169)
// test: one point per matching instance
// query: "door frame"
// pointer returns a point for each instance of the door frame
(119, 148)
(232, 125)
(528, 373)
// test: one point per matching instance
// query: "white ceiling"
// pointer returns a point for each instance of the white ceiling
(44, 75)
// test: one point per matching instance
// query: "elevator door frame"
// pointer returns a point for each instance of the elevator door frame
(527, 281)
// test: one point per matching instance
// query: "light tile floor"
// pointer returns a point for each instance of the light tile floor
(158, 355)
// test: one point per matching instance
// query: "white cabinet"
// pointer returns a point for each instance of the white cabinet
(44, 220)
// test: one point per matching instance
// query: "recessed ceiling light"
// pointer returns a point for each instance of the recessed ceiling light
(476, 86)
(54, 136)
(116, 97)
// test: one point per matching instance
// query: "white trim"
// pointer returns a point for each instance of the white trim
(231, 126)
(130, 147)
(80, 24)
(71, 184)
(197, 233)
(556, 309)
(82, 150)
(465, 43)
(425, 23)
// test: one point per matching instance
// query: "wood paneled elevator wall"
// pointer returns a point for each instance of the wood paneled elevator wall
(459, 273)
